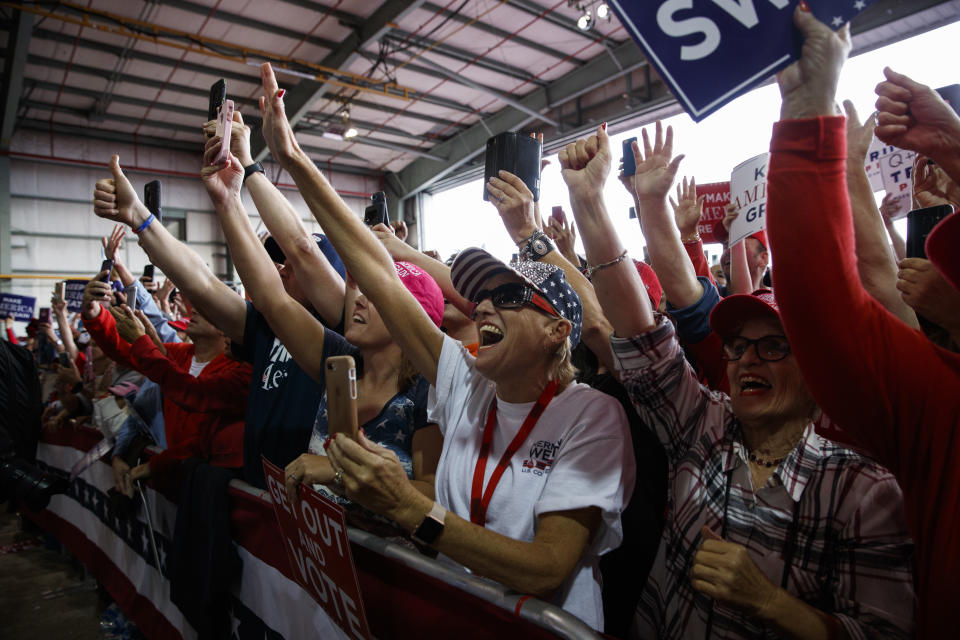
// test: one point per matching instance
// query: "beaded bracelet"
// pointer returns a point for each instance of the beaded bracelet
(591, 270)
(146, 223)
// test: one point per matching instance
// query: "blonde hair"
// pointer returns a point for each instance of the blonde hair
(562, 369)
(407, 374)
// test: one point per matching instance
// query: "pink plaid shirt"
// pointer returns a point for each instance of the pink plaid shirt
(828, 525)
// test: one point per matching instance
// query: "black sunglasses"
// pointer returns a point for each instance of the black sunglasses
(769, 348)
(514, 295)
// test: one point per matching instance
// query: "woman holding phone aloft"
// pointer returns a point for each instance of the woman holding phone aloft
(559, 492)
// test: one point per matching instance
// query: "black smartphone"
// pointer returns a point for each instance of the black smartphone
(106, 265)
(131, 295)
(218, 93)
(376, 211)
(516, 153)
(151, 198)
(64, 359)
(148, 271)
(633, 213)
(920, 222)
(629, 162)
(44, 314)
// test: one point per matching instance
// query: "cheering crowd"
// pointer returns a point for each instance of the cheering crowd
(663, 450)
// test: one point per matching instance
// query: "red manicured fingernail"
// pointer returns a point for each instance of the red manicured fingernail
(326, 443)
(804, 6)
(604, 126)
(281, 92)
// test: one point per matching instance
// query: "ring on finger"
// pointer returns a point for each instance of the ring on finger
(338, 477)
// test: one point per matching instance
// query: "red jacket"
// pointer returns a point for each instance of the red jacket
(203, 415)
(884, 383)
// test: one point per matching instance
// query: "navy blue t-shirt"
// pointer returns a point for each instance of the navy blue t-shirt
(283, 397)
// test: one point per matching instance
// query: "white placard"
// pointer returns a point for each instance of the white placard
(748, 191)
(896, 169)
(871, 163)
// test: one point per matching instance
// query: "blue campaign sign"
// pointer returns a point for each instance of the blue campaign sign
(711, 51)
(18, 307)
(73, 294)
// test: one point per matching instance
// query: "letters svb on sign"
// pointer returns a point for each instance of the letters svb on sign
(711, 51)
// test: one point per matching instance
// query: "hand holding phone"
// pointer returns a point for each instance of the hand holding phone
(151, 198)
(224, 128)
(341, 382)
(106, 265)
(60, 291)
(376, 213)
(559, 216)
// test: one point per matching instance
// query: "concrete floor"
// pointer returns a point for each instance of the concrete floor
(43, 594)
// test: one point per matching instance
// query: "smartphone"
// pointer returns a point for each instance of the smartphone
(151, 198)
(559, 216)
(920, 222)
(341, 382)
(516, 153)
(629, 162)
(633, 213)
(106, 265)
(131, 294)
(218, 93)
(60, 291)
(64, 359)
(224, 127)
(376, 211)
(148, 271)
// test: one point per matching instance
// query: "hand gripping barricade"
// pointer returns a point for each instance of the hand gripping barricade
(406, 594)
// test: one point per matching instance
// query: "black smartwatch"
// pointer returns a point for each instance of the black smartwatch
(431, 527)
(248, 171)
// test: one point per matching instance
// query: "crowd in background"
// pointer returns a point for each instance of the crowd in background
(664, 450)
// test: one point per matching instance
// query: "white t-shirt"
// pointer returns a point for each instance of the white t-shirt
(578, 455)
(197, 367)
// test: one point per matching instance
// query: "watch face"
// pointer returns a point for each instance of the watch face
(428, 531)
(540, 247)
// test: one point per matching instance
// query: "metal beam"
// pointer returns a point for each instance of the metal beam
(398, 36)
(459, 149)
(18, 41)
(301, 97)
(565, 23)
(400, 112)
(516, 104)
(500, 33)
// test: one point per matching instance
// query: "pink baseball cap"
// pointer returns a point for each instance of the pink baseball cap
(423, 287)
(731, 312)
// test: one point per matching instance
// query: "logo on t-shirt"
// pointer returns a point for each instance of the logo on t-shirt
(541, 457)
(275, 372)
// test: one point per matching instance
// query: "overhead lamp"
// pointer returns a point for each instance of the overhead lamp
(349, 131)
(603, 11)
(585, 21)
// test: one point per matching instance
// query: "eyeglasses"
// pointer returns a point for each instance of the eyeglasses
(514, 295)
(769, 348)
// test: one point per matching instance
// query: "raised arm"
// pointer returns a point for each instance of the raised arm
(667, 255)
(115, 199)
(365, 258)
(298, 330)
(66, 331)
(619, 289)
(875, 261)
(887, 209)
(110, 245)
(324, 288)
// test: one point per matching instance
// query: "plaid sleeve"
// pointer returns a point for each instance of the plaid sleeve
(664, 388)
(874, 595)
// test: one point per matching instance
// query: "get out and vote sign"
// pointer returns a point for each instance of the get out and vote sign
(748, 192)
(315, 537)
(711, 51)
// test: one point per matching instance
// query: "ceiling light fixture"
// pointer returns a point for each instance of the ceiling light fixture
(585, 21)
(349, 131)
(603, 11)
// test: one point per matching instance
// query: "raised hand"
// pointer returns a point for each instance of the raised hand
(585, 164)
(239, 138)
(928, 293)
(688, 208)
(656, 166)
(514, 203)
(95, 293)
(112, 242)
(565, 235)
(859, 136)
(276, 129)
(116, 199)
(400, 229)
(808, 87)
(222, 182)
(914, 116)
(128, 325)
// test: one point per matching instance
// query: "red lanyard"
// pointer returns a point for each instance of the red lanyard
(478, 505)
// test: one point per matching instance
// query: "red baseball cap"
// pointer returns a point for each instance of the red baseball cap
(423, 287)
(651, 282)
(729, 315)
(761, 237)
(179, 325)
(942, 248)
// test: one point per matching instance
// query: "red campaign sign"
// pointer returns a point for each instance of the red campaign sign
(315, 537)
(716, 197)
